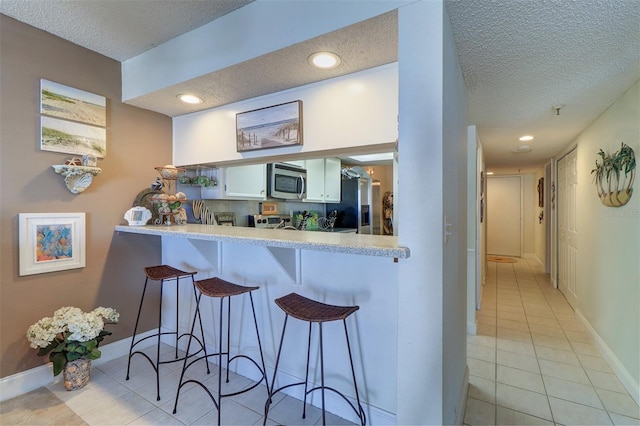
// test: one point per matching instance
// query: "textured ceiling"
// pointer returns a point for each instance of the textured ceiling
(519, 59)
(119, 29)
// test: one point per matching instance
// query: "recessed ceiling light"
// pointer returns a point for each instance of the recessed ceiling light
(324, 60)
(526, 138)
(489, 173)
(190, 99)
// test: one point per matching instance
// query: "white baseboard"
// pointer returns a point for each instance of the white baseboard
(472, 328)
(26, 381)
(623, 374)
(532, 256)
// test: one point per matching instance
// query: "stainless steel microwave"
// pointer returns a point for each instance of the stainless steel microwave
(286, 181)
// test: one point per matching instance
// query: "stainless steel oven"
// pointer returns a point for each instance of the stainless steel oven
(270, 221)
(286, 181)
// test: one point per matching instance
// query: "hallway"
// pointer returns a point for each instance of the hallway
(533, 362)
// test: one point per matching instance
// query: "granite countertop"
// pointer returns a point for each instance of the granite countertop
(337, 242)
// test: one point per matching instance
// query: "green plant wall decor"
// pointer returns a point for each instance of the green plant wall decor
(614, 176)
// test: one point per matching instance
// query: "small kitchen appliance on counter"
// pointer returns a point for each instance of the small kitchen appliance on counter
(270, 221)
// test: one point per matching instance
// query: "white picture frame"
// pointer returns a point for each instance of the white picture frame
(51, 242)
(72, 121)
(137, 216)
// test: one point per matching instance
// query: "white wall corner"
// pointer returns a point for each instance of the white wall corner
(462, 400)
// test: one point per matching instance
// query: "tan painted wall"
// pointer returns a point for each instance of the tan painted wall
(137, 141)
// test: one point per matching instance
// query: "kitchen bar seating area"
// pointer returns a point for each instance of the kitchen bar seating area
(239, 348)
(346, 272)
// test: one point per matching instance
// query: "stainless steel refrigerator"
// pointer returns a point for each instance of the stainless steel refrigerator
(354, 209)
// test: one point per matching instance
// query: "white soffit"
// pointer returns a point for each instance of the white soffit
(361, 46)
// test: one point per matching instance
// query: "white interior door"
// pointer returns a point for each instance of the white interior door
(504, 215)
(567, 228)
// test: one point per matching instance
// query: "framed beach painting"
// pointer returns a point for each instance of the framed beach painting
(72, 138)
(73, 121)
(51, 242)
(271, 127)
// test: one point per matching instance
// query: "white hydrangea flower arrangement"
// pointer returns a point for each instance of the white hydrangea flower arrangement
(71, 334)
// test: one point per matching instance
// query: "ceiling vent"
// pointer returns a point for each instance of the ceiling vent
(521, 149)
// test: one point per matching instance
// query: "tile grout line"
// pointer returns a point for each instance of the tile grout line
(546, 295)
(574, 352)
(544, 386)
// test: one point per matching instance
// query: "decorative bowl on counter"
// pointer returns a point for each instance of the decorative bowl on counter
(169, 172)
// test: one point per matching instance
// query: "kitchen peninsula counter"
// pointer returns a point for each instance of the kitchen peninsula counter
(349, 243)
(343, 269)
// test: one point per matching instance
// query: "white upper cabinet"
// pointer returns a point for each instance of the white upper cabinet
(323, 180)
(315, 180)
(245, 182)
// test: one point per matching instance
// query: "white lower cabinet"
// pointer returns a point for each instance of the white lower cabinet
(245, 182)
(323, 180)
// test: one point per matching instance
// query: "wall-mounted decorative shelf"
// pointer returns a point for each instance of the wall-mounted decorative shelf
(615, 175)
(76, 178)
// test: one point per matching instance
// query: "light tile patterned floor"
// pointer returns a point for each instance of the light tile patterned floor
(109, 399)
(533, 363)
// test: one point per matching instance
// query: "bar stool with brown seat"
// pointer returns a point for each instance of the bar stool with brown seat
(221, 289)
(312, 311)
(163, 273)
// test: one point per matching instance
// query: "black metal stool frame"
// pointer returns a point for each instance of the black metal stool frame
(157, 363)
(358, 410)
(219, 354)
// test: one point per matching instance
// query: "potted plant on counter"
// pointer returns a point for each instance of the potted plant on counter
(71, 339)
